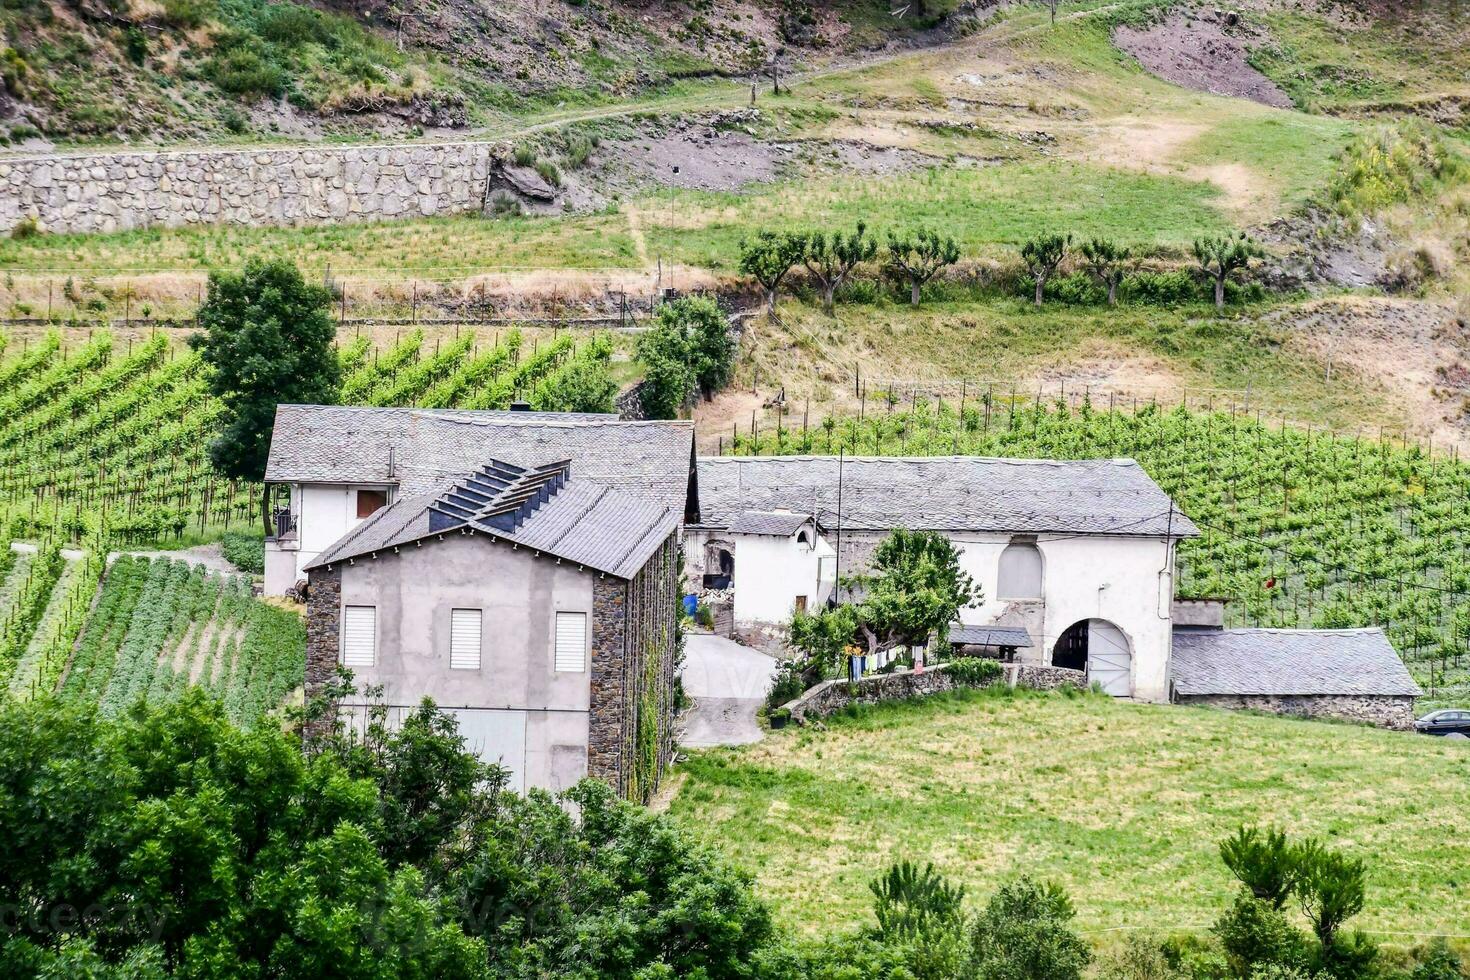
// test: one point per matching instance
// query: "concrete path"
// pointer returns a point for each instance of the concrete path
(728, 683)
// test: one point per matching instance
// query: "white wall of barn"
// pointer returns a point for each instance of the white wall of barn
(1127, 581)
(771, 572)
(324, 513)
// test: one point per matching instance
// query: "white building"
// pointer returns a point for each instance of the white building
(1075, 559)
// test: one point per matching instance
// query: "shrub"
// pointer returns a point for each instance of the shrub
(549, 172)
(1175, 287)
(975, 671)
(1266, 863)
(1439, 962)
(244, 550)
(909, 901)
(524, 155)
(27, 227)
(1024, 933)
(1255, 933)
(246, 72)
(789, 685)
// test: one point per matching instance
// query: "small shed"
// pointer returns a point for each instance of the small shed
(1351, 674)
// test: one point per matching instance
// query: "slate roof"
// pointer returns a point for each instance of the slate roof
(583, 522)
(1288, 662)
(779, 524)
(989, 636)
(427, 448)
(944, 493)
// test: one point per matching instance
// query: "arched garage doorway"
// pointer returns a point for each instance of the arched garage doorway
(1101, 649)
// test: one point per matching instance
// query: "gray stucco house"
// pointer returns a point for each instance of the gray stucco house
(523, 572)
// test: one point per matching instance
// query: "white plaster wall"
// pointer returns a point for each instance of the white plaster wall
(519, 595)
(1091, 577)
(324, 513)
(770, 572)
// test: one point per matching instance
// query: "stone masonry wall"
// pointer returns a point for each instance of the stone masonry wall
(1384, 711)
(122, 190)
(323, 631)
(609, 681)
(832, 696)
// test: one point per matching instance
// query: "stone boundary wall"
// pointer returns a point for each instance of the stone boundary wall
(829, 697)
(120, 190)
(1385, 711)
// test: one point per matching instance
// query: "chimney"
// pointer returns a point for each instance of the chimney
(520, 406)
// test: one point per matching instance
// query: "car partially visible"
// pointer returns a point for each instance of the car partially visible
(1446, 721)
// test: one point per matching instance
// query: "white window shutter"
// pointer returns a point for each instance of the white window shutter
(360, 636)
(571, 641)
(464, 639)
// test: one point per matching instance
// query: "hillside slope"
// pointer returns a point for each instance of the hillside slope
(165, 70)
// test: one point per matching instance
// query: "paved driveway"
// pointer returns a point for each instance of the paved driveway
(728, 682)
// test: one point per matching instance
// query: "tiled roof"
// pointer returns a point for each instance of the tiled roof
(989, 636)
(1288, 662)
(423, 449)
(781, 524)
(581, 521)
(944, 493)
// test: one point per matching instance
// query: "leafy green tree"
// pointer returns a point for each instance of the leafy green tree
(1264, 862)
(690, 349)
(1042, 255)
(1108, 262)
(268, 337)
(1219, 257)
(831, 258)
(910, 901)
(913, 260)
(915, 591)
(768, 259)
(1024, 933)
(1332, 888)
(1254, 933)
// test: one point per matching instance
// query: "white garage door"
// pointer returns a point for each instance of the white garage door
(498, 737)
(1108, 661)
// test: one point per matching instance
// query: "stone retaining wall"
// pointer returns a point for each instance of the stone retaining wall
(1384, 711)
(122, 190)
(832, 696)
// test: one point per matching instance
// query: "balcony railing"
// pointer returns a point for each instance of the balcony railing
(284, 522)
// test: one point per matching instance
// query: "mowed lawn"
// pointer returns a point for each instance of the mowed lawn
(1122, 803)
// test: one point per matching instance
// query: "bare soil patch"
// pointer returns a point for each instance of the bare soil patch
(1416, 350)
(1200, 52)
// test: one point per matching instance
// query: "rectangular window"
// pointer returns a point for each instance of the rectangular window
(359, 636)
(369, 502)
(571, 641)
(464, 639)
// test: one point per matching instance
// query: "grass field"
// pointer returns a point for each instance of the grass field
(1121, 803)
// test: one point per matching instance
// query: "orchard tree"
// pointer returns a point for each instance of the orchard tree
(1042, 255)
(1219, 257)
(1108, 262)
(769, 259)
(268, 338)
(831, 258)
(913, 260)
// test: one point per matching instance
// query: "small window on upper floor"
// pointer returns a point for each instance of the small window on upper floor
(803, 537)
(1020, 571)
(369, 502)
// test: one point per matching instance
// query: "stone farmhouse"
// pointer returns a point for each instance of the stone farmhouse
(519, 569)
(1075, 560)
(522, 570)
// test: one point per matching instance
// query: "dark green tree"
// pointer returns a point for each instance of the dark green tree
(913, 260)
(689, 350)
(1219, 257)
(909, 900)
(1042, 255)
(1331, 887)
(1024, 933)
(1108, 262)
(768, 258)
(267, 336)
(1265, 862)
(831, 258)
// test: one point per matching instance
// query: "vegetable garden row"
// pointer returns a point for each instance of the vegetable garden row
(1298, 528)
(100, 440)
(155, 627)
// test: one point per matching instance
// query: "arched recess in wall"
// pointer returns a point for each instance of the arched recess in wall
(1101, 649)
(1019, 575)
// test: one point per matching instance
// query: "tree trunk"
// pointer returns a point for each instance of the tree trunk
(827, 293)
(265, 509)
(1113, 293)
(1040, 285)
(1220, 291)
(771, 301)
(914, 288)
